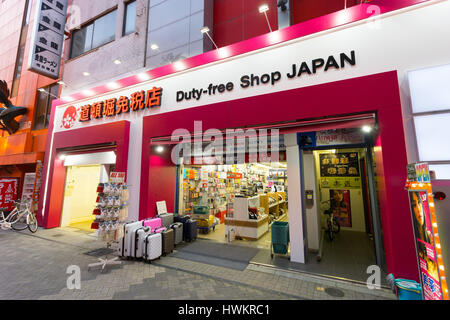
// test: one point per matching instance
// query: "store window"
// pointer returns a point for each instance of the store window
(129, 23)
(95, 34)
(430, 99)
(44, 106)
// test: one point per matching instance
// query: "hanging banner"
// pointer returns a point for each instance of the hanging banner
(425, 245)
(48, 38)
(339, 164)
(8, 192)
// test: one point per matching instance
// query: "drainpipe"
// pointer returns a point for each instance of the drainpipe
(146, 34)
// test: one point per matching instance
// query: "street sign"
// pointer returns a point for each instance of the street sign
(48, 38)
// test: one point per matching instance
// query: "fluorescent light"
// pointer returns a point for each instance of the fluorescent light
(86, 74)
(204, 30)
(41, 90)
(117, 61)
(367, 129)
(263, 8)
(113, 85)
(88, 92)
(143, 76)
(154, 46)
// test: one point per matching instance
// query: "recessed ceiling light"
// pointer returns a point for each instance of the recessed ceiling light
(159, 149)
(154, 46)
(86, 74)
(367, 129)
(117, 61)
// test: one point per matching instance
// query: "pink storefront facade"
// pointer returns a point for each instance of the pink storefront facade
(362, 86)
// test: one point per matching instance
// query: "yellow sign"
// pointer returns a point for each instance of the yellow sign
(341, 182)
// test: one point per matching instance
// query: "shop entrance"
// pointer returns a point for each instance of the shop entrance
(83, 174)
(338, 187)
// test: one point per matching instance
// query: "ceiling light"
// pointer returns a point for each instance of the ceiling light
(61, 83)
(88, 92)
(159, 149)
(367, 129)
(263, 8)
(117, 61)
(154, 46)
(62, 157)
(41, 90)
(204, 30)
(113, 85)
(86, 74)
(143, 76)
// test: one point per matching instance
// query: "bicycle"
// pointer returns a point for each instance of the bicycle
(19, 219)
(333, 226)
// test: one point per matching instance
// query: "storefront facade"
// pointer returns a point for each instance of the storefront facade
(300, 79)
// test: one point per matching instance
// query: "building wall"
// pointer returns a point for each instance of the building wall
(25, 140)
(304, 10)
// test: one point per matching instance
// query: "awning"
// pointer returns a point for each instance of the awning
(21, 158)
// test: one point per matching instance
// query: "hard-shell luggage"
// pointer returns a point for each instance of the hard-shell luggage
(167, 219)
(178, 232)
(152, 246)
(139, 238)
(154, 223)
(190, 230)
(124, 249)
(167, 241)
(182, 219)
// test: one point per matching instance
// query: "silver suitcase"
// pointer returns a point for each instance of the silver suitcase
(124, 249)
(138, 244)
(166, 219)
(178, 232)
(152, 246)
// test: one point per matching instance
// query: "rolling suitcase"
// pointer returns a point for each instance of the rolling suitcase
(167, 219)
(124, 249)
(178, 232)
(182, 219)
(152, 246)
(167, 241)
(139, 238)
(154, 223)
(190, 230)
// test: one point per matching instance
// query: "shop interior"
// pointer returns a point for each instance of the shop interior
(245, 198)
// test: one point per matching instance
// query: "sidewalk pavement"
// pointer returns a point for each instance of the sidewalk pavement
(34, 267)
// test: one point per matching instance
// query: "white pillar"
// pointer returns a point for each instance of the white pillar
(297, 236)
(312, 212)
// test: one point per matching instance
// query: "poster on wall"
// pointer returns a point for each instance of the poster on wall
(339, 164)
(8, 192)
(424, 239)
(340, 206)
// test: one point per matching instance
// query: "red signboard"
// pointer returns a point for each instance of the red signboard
(8, 192)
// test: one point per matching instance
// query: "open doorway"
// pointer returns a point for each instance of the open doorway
(84, 173)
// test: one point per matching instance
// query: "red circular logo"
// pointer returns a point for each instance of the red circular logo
(69, 117)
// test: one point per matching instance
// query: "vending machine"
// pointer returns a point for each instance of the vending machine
(426, 236)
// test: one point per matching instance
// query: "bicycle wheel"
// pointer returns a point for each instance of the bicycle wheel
(336, 227)
(32, 223)
(18, 222)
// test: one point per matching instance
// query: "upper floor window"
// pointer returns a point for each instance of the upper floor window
(129, 22)
(93, 35)
(44, 106)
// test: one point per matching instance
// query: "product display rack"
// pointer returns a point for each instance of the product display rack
(111, 213)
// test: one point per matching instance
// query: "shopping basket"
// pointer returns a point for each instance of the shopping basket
(280, 238)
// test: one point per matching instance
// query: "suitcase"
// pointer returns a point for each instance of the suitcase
(190, 230)
(139, 241)
(154, 223)
(167, 219)
(178, 232)
(152, 246)
(124, 249)
(167, 241)
(182, 219)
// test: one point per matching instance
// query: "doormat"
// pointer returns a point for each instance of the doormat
(101, 252)
(219, 254)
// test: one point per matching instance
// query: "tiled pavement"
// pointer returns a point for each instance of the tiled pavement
(34, 267)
